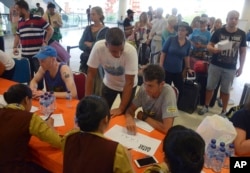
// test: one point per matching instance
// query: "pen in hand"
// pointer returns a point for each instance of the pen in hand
(49, 116)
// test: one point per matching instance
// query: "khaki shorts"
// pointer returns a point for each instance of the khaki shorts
(217, 74)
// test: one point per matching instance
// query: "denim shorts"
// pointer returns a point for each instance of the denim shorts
(217, 74)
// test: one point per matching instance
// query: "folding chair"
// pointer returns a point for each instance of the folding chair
(22, 72)
(80, 79)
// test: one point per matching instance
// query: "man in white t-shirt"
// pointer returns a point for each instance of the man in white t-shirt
(8, 65)
(120, 63)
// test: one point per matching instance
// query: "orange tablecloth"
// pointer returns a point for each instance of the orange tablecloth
(52, 159)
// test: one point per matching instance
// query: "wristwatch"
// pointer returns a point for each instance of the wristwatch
(144, 117)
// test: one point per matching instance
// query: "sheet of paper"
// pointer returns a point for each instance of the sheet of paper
(143, 125)
(34, 109)
(138, 142)
(2, 101)
(58, 119)
(224, 45)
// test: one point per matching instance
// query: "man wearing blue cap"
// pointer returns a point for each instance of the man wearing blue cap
(58, 76)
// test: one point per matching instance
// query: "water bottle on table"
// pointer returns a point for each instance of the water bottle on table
(219, 159)
(230, 152)
(210, 155)
(69, 99)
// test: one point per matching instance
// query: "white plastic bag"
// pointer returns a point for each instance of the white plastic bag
(217, 127)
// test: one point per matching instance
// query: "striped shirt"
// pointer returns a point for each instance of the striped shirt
(31, 34)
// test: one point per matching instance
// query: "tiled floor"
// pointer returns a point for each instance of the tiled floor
(71, 37)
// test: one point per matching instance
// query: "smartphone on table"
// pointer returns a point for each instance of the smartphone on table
(146, 161)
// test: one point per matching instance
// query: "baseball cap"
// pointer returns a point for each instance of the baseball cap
(129, 11)
(45, 52)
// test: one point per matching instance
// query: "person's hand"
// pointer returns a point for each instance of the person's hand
(50, 122)
(88, 44)
(238, 72)
(190, 71)
(37, 93)
(116, 111)
(130, 125)
(15, 51)
(215, 50)
(139, 115)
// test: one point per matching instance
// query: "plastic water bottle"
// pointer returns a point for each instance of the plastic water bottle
(41, 103)
(69, 99)
(230, 152)
(53, 98)
(219, 159)
(209, 155)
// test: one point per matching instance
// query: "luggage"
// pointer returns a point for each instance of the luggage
(245, 94)
(201, 78)
(189, 99)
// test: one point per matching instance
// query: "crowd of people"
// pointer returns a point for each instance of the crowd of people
(107, 53)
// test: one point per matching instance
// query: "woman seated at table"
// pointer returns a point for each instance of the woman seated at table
(241, 122)
(7, 65)
(184, 152)
(17, 125)
(87, 150)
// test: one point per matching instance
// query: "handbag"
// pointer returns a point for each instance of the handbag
(62, 54)
(201, 66)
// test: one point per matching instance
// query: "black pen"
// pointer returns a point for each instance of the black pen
(49, 116)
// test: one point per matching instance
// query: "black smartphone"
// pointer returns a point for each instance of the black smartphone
(146, 161)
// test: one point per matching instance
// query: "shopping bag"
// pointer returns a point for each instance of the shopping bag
(62, 54)
(217, 127)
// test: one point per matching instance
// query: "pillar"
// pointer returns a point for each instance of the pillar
(123, 6)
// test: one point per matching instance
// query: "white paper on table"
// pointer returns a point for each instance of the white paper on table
(58, 119)
(34, 109)
(224, 45)
(143, 125)
(138, 142)
(2, 101)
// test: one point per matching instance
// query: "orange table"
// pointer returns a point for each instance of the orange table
(52, 159)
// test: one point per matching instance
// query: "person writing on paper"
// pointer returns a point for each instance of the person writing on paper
(241, 122)
(17, 125)
(86, 147)
(223, 67)
(157, 99)
(58, 76)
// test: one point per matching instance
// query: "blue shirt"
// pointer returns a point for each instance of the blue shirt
(175, 54)
(199, 36)
(55, 84)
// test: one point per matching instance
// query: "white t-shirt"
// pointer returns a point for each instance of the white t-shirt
(115, 69)
(8, 62)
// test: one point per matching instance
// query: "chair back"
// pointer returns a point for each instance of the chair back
(80, 80)
(22, 72)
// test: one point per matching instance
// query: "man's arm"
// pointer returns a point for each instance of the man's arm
(160, 126)
(130, 121)
(34, 82)
(16, 44)
(90, 80)
(162, 57)
(126, 95)
(242, 145)
(242, 58)
(68, 79)
(212, 49)
(49, 34)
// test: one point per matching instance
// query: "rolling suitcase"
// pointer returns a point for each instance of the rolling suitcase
(189, 99)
